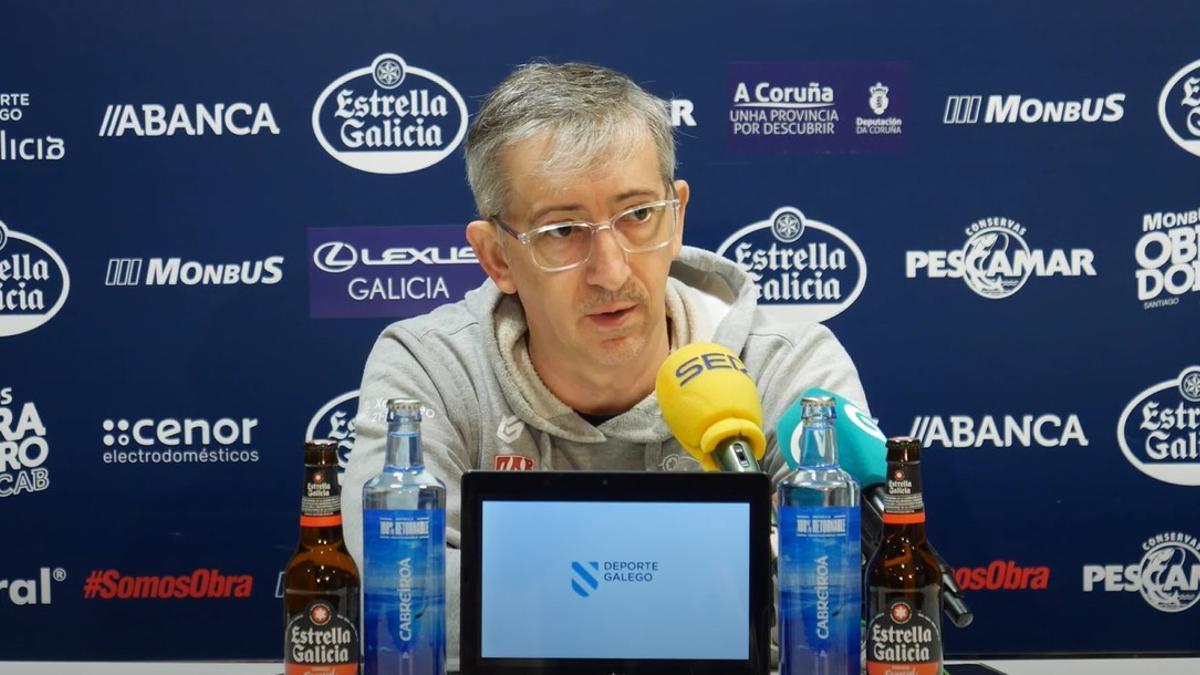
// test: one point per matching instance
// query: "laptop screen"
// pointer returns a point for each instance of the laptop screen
(615, 580)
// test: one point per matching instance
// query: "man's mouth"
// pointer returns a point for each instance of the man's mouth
(611, 316)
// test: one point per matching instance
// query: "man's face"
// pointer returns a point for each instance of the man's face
(606, 310)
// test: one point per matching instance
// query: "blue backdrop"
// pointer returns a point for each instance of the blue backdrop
(210, 210)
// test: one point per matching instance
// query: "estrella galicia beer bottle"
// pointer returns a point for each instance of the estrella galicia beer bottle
(321, 586)
(903, 578)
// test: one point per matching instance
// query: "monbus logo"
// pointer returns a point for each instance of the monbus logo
(1015, 108)
(34, 282)
(177, 271)
(1159, 431)
(805, 270)
(995, 262)
(390, 117)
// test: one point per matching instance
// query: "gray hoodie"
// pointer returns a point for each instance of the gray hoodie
(488, 409)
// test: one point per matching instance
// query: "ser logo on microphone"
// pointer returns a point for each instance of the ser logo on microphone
(697, 365)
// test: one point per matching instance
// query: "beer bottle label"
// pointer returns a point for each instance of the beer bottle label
(820, 587)
(321, 504)
(320, 641)
(903, 639)
(404, 568)
(903, 494)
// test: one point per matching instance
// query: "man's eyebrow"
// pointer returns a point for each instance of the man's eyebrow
(635, 192)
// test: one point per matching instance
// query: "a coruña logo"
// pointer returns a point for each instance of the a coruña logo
(34, 282)
(335, 420)
(1179, 108)
(1159, 431)
(390, 117)
(805, 270)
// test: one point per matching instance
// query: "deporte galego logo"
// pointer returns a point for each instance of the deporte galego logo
(586, 576)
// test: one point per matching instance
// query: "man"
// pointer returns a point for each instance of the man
(551, 363)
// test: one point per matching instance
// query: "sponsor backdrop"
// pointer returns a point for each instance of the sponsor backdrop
(210, 211)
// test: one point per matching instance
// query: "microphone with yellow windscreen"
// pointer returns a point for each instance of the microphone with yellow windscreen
(712, 407)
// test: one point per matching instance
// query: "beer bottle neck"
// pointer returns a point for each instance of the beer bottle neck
(404, 443)
(818, 446)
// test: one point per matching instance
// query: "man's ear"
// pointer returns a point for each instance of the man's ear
(484, 238)
(683, 192)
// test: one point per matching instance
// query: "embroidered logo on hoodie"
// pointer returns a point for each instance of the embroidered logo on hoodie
(510, 429)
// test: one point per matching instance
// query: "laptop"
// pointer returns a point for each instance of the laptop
(615, 573)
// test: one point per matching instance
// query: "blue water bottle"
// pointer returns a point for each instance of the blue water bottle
(404, 556)
(820, 559)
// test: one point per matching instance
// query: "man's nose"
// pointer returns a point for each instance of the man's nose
(608, 267)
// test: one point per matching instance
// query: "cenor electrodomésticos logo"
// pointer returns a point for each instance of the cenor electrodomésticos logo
(1159, 431)
(34, 282)
(1179, 108)
(390, 117)
(805, 270)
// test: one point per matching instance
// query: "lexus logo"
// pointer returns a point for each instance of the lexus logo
(335, 257)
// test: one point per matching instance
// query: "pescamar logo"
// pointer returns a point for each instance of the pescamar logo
(177, 271)
(335, 420)
(804, 269)
(34, 282)
(1011, 431)
(818, 107)
(23, 447)
(1179, 108)
(995, 262)
(201, 119)
(1168, 575)
(390, 117)
(1159, 431)
(1014, 108)
(1168, 257)
(18, 147)
(397, 272)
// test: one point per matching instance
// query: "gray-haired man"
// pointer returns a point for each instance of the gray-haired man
(551, 363)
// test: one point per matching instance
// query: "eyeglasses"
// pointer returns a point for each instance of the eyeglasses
(562, 246)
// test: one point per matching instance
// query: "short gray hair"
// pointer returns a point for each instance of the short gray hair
(591, 113)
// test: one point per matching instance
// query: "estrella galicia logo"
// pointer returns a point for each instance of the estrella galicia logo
(805, 270)
(335, 421)
(1159, 433)
(1179, 108)
(390, 117)
(584, 581)
(34, 282)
